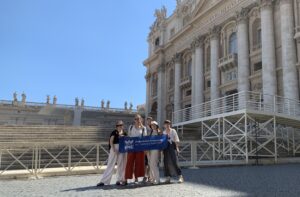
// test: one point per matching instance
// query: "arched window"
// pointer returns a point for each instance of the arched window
(233, 43)
(154, 85)
(256, 32)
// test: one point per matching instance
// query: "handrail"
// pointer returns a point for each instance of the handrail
(239, 101)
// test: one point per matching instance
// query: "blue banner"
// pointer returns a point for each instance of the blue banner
(137, 144)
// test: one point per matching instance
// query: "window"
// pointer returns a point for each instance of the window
(188, 93)
(208, 84)
(233, 43)
(154, 86)
(257, 66)
(172, 32)
(259, 36)
(231, 75)
(157, 42)
(189, 68)
(171, 78)
(207, 66)
(256, 33)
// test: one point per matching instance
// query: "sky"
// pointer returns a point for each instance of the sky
(91, 49)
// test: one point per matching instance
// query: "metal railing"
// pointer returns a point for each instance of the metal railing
(239, 101)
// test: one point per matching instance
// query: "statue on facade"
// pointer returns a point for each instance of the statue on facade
(82, 102)
(48, 100)
(108, 104)
(102, 104)
(130, 106)
(54, 100)
(125, 105)
(23, 98)
(76, 102)
(161, 14)
(15, 97)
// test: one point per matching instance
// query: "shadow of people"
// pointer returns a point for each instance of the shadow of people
(114, 187)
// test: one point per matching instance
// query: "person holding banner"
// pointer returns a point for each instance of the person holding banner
(147, 167)
(136, 160)
(171, 167)
(115, 156)
(154, 156)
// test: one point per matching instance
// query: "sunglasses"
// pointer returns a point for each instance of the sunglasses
(119, 125)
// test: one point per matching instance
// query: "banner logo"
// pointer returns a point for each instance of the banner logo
(129, 145)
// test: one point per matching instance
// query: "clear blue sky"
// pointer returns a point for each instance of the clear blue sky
(92, 49)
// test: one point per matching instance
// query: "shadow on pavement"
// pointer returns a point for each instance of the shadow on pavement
(113, 187)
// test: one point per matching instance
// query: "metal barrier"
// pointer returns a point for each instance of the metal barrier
(42, 159)
(37, 159)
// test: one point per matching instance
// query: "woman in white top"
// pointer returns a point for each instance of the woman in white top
(136, 160)
(154, 156)
(171, 167)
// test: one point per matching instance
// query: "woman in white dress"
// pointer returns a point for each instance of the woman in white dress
(154, 156)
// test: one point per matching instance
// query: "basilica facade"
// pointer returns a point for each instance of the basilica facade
(207, 49)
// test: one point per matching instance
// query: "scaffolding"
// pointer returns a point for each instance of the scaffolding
(245, 126)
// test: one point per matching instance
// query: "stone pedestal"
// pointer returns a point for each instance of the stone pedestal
(77, 116)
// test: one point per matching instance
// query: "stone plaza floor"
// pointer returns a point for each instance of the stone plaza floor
(273, 180)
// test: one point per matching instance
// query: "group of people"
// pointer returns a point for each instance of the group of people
(143, 164)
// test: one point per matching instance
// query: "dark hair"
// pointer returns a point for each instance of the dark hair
(167, 122)
(119, 122)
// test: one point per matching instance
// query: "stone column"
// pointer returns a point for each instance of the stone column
(268, 51)
(289, 69)
(243, 55)
(214, 61)
(193, 46)
(199, 71)
(148, 94)
(177, 71)
(161, 95)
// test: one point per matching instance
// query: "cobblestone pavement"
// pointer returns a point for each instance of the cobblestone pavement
(277, 180)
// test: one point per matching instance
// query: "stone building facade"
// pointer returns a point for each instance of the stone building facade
(208, 49)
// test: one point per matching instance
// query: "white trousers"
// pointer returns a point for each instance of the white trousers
(113, 157)
(153, 164)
